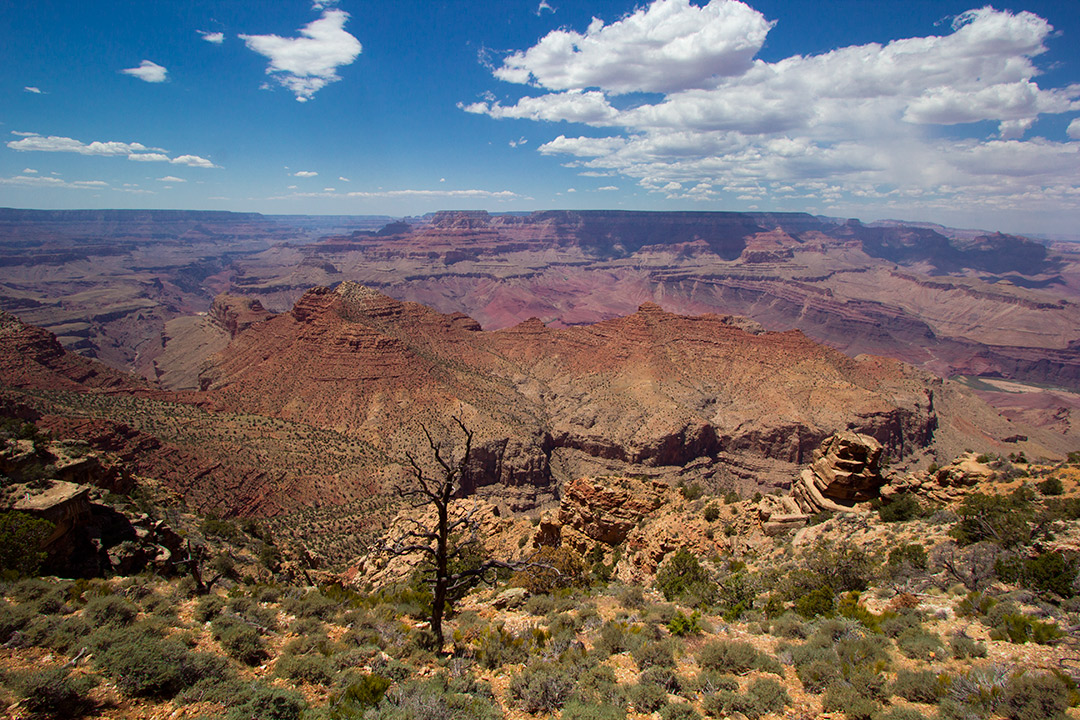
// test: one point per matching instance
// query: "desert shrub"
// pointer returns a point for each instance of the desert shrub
(975, 604)
(732, 656)
(662, 676)
(712, 512)
(858, 651)
(54, 692)
(919, 644)
(647, 697)
(905, 507)
(1048, 572)
(209, 607)
(433, 699)
(849, 607)
(896, 624)
(736, 594)
(1019, 628)
(314, 669)
(917, 686)
(241, 641)
(146, 666)
(682, 577)
(963, 646)
(597, 685)
(1034, 697)
(540, 605)
(357, 695)
(899, 713)
(1003, 519)
(913, 555)
(681, 625)
(654, 654)
(587, 711)
(312, 604)
(820, 602)
(841, 697)
(269, 703)
(497, 647)
(21, 537)
(763, 695)
(691, 492)
(542, 687)
(631, 597)
(975, 694)
(616, 637)
(1051, 486)
(842, 566)
(110, 610)
(679, 711)
(788, 625)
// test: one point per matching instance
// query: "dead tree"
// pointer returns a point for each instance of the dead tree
(442, 542)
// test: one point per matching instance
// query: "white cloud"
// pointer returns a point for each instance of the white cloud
(343, 179)
(856, 122)
(671, 45)
(52, 182)
(148, 71)
(34, 90)
(519, 141)
(171, 178)
(32, 142)
(606, 188)
(305, 174)
(212, 37)
(23, 134)
(329, 190)
(30, 171)
(323, 4)
(431, 194)
(309, 63)
(544, 6)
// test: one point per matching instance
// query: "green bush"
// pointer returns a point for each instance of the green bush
(242, 642)
(1034, 697)
(647, 697)
(1019, 628)
(314, 669)
(1051, 486)
(920, 644)
(788, 625)
(712, 513)
(617, 637)
(731, 656)
(762, 696)
(146, 666)
(588, 711)
(110, 610)
(905, 507)
(542, 687)
(352, 700)
(681, 577)
(497, 647)
(21, 538)
(681, 625)
(840, 697)
(1048, 572)
(269, 703)
(963, 646)
(820, 602)
(433, 699)
(1003, 519)
(209, 607)
(54, 692)
(679, 711)
(920, 686)
(913, 555)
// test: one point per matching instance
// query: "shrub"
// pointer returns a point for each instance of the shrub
(682, 577)
(691, 492)
(433, 700)
(855, 706)
(243, 642)
(496, 647)
(269, 703)
(917, 686)
(679, 711)
(1003, 519)
(1047, 572)
(145, 666)
(905, 507)
(919, 644)
(209, 607)
(654, 654)
(1020, 628)
(963, 646)
(1051, 486)
(913, 555)
(729, 656)
(662, 676)
(586, 711)
(542, 687)
(647, 697)
(762, 696)
(314, 669)
(555, 568)
(788, 625)
(364, 692)
(861, 652)
(819, 602)
(1034, 697)
(681, 625)
(312, 604)
(55, 693)
(110, 610)
(712, 512)
(21, 537)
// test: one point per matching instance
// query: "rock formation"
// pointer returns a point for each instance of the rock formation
(843, 476)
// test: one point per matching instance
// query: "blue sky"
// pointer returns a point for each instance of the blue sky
(945, 111)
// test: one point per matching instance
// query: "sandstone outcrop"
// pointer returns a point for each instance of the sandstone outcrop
(599, 510)
(844, 474)
(948, 484)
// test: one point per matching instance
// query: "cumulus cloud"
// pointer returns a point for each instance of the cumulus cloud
(305, 174)
(171, 178)
(147, 71)
(212, 37)
(308, 63)
(34, 90)
(857, 122)
(32, 142)
(670, 45)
